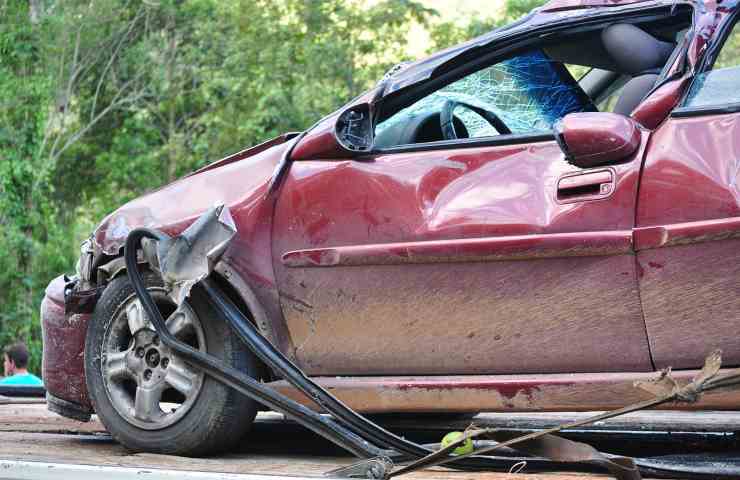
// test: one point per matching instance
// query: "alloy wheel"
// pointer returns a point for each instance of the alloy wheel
(148, 384)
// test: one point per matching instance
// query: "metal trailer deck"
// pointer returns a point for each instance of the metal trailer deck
(36, 444)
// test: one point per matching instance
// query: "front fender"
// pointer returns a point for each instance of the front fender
(240, 185)
(246, 265)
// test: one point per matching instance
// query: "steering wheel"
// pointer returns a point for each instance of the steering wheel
(448, 126)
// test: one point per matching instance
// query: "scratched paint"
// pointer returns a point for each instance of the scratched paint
(64, 348)
(476, 393)
(420, 270)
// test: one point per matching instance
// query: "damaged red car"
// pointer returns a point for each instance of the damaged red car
(530, 221)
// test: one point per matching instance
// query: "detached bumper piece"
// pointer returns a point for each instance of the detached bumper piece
(77, 300)
(188, 259)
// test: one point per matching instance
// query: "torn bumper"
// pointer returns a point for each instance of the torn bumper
(64, 353)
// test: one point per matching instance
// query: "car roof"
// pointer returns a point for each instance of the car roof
(556, 5)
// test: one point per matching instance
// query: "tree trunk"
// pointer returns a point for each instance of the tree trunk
(34, 11)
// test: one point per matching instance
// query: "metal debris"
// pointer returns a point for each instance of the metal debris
(373, 469)
(188, 258)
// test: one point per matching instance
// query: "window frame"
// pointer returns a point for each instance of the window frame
(559, 69)
(495, 141)
(706, 65)
(506, 48)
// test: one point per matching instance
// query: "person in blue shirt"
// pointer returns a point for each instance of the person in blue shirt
(15, 366)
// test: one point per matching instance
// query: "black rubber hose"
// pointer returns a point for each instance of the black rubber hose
(352, 436)
(404, 449)
(358, 424)
(352, 439)
(323, 426)
(285, 368)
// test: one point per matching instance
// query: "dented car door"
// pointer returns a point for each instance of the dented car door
(481, 255)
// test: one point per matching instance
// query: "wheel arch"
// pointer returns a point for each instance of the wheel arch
(235, 287)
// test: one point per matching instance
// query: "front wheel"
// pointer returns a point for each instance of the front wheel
(148, 397)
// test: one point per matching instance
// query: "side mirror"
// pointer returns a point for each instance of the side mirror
(341, 135)
(595, 139)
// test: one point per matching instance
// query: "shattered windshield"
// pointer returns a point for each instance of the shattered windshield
(528, 93)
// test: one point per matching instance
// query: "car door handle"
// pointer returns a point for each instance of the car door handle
(585, 186)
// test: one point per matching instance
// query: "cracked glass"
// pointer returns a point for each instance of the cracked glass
(528, 93)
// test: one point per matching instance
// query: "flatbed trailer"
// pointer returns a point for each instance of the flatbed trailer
(36, 444)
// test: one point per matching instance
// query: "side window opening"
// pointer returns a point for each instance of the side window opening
(526, 93)
(719, 86)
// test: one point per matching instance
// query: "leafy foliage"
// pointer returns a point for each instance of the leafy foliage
(103, 100)
(449, 33)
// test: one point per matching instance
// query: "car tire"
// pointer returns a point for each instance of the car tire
(206, 420)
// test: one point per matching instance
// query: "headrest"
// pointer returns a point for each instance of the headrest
(633, 49)
(633, 93)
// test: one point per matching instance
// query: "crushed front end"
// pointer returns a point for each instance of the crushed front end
(65, 311)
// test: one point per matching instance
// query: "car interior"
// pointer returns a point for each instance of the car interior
(611, 68)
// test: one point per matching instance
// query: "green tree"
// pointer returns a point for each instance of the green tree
(102, 100)
(451, 32)
(29, 245)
